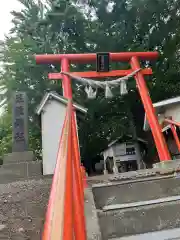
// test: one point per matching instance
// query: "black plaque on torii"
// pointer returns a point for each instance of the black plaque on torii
(102, 62)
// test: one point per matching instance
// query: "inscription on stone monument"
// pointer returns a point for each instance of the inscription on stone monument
(20, 122)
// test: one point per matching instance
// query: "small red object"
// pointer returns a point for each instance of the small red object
(83, 172)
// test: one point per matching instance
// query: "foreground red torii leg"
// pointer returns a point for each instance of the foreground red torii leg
(161, 145)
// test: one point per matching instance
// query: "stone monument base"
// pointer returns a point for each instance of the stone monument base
(16, 157)
(19, 166)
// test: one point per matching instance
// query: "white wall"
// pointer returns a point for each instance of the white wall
(170, 111)
(119, 149)
(108, 153)
(174, 112)
(52, 119)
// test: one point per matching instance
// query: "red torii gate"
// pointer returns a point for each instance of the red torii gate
(133, 58)
(173, 124)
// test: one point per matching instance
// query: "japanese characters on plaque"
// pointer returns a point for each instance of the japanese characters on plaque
(20, 122)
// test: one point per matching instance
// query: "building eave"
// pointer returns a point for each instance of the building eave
(52, 95)
(116, 140)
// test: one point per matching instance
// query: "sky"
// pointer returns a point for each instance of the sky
(5, 15)
(5, 20)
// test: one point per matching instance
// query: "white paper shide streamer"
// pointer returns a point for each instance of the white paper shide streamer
(91, 93)
(91, 85)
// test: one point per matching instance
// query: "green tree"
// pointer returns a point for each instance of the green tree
(63, 26)
(5, 133)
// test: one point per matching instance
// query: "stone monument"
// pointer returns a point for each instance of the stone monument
(19, 164)
(20, 122)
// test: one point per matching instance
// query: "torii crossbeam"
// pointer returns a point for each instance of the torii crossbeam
(134, 59)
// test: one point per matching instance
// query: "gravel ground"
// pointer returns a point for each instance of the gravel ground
(22, 209)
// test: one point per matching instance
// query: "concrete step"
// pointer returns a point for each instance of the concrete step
(121, 222)
(22, 209)
(92, 224)
(108, 178)
(135, 190)
(172, 234)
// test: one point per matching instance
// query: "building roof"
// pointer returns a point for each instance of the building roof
(121, 138)
(61, 99)
(160, 107)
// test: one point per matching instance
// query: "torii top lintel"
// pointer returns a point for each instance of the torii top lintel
(91, 57)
